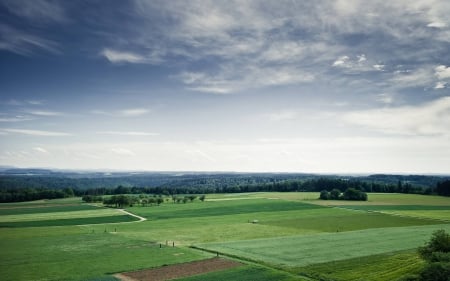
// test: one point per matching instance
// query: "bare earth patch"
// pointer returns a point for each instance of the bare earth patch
(178, 270)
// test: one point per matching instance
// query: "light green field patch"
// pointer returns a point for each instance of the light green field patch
(80, 253)
(60, 215)
(391, 266)
(391, 199)
(433, 214)
(311, 249)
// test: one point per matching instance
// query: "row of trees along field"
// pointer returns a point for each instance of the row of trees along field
(120, 201)
(10, 194)
(350, 194)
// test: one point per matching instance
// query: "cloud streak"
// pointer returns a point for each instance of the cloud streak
(38, 133)
(129, 133)
(429, 119)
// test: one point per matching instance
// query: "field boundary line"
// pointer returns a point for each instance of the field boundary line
(141, 219)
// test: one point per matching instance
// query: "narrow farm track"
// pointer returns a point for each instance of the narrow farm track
(141, 219)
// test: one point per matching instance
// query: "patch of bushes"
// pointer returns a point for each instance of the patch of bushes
(349, 194)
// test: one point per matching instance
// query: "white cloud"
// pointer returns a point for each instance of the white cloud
(283, 115)
(132, 112)
(437, 24)
(440, 85)
(420, 77)
(198, 155)
(45, 113)
(122, 57)
(40, 149)
(379, 67)
(35, 102)
(18, 118)
(232, 79)
(129, 133)
(361, 58)
(36, 132)
(385, 98)
(128, 112)
(122, 151)
(432, 118)
(341, 61)
(442, 72)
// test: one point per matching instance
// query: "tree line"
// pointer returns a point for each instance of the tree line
(349, 194)
(123, 200)
(14, 194)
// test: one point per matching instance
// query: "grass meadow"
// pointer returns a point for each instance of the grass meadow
(296, 237)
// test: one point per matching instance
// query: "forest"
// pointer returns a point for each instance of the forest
(25, 185)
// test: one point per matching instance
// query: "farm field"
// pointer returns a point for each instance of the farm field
(277, 236)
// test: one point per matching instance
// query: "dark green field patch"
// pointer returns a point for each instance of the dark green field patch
(46, 209)
(66, 222)
(349, 221)
(397, 207)
(220, 208)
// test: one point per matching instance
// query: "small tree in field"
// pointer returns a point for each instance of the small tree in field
(202, 198)
(437, 253)
(438, 248)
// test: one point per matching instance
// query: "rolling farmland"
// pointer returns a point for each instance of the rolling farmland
(277, 236)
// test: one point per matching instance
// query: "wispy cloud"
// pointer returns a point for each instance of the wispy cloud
(36, 132)
(17, 118)
(37, 10)
(40, 149)
(123, 151)
(132, 112)
(45, 113)
(129, 133)
(127, 112)
(432, 118)
(122, 57)
(283, 115)
(24, 43)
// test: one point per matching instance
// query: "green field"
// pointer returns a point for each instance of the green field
(304, 250)
(280, 236)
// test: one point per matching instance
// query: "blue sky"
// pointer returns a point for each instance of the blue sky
(284, 86)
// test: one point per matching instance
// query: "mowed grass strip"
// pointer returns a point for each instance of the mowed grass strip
(17, 210)
(391, 266)
(398, 207)
(66, 222)
(98, 212)
(324, 247)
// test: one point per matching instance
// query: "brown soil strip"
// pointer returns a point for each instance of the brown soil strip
(178, 270)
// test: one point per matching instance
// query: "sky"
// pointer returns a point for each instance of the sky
(347, 86)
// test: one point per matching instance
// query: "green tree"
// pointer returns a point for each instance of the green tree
(436, 271)
(334, 194)
(202, 198)
(324, 195)
(437, 253)
(437, 248)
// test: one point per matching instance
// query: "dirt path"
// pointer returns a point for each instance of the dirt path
(178, 270)
(133, 215)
